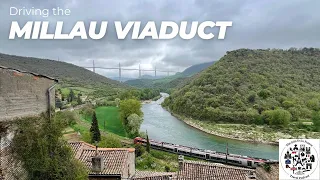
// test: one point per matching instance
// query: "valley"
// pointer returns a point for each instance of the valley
(247, 101)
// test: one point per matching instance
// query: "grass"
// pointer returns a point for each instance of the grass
(158, 160)
(109, 120)
(82, 126)
(65, 90)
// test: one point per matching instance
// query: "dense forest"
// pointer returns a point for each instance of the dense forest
(270, 86)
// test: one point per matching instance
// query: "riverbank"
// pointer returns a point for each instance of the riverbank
(151, 100)
(248, 133)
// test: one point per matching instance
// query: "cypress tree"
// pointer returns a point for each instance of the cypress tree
(148, 144)
(95, 132)
(71, 96)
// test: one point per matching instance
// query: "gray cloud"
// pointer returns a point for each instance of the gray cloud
(256, 24)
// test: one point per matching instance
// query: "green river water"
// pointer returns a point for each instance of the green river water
(162, 126)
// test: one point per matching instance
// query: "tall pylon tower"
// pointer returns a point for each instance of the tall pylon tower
(119, 72)
(139, 71)
(93, 67)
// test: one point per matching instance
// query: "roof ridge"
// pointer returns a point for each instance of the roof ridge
(103, 148)
(32, 73)
(217, 165)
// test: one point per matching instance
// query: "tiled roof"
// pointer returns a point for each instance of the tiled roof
(78, 146)
(150, 175)
(211, 171)
(114, 158)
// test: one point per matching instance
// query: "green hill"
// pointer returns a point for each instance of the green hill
(67, 74)
(253, 86)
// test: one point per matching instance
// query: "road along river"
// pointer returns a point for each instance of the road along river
(162, 126)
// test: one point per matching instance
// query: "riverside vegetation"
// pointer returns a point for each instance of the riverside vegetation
(112, 137)
(118, 122)
(270, 93)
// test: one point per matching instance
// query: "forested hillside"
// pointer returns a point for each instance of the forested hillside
(66, 73)
(273, 87)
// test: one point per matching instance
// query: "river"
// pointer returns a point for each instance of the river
(162, 126)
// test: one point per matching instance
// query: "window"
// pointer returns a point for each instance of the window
(249, 163)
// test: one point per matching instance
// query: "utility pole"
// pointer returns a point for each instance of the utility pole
(93, 67)
(227, 154)
(139, 71)
(155, 71)
(119, 72)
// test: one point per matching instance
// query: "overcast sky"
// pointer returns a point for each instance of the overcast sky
(256, 24)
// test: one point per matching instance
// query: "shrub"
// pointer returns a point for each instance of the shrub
(69, 118)
(316, 121)
(278, 117)
(252, 98)
(287, 104)
(167, 168)
(110, 141)
(39, 146)
(266, 167)
(139, 150)
(264, 93)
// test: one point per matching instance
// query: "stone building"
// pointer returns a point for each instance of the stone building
(113, 163)
(22, 94)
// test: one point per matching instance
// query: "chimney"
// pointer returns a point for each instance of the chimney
(181, 162)
(97, 162)
(251, 175)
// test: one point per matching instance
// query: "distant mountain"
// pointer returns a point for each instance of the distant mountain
(66, 73)
(123, 79)
(196, 68)
(168, 83)
(141, 83)
(151, 77)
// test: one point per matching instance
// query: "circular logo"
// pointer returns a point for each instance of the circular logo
(299, 159)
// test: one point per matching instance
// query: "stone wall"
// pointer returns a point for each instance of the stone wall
(129, 169)
(272, 175)
(105, 178)
(23, 94)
